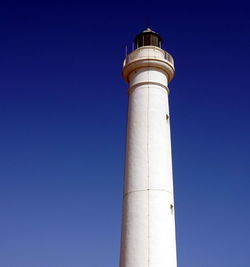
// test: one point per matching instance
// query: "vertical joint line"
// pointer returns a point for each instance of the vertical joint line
(148, 170)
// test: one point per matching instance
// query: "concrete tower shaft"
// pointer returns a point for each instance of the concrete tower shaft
(148, 224)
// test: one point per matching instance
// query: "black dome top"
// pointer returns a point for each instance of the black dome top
(148, 38)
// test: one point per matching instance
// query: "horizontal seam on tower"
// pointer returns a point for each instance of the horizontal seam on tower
(132, 88)
(143, 190)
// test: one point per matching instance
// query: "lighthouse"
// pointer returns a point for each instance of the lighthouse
(148, 219)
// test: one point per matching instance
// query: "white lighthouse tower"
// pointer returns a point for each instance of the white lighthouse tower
(148, 224)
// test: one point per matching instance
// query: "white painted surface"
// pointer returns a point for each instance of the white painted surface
(148, 227)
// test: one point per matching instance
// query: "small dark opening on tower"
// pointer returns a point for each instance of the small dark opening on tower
(172, 208)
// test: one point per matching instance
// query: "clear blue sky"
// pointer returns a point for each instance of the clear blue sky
(63, 108)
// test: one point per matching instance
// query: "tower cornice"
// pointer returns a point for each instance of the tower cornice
(148, 56)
